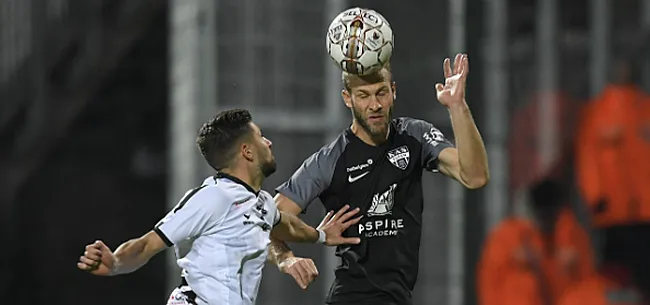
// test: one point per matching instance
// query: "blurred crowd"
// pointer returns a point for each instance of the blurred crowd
(551, 251)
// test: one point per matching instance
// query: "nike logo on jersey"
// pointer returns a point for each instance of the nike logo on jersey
(353, 179)
(247, 216)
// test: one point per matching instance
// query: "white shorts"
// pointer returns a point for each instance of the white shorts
(183, 295)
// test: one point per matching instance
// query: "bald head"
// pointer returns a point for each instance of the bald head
(352, 80)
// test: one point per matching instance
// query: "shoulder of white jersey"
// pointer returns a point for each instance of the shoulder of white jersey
(265, 194)
(228, 190)
(211, 191)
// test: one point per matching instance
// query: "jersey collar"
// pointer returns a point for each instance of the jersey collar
(236, 180)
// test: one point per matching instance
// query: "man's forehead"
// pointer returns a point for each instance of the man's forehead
(378, 79)
(255, 128)
(369, 88)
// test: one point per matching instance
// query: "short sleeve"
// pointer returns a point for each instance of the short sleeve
(432, 141)
(311, 179)
(199, 210)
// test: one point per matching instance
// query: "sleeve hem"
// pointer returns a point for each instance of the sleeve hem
(436, 166)
(164, 237)
(294, 197)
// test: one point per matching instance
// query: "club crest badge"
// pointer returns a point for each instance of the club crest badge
(399, 157)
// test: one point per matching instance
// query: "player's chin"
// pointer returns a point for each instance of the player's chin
(379, 127)
(269, 168)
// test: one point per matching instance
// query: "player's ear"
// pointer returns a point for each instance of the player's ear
(394, 87)
(246, 151)
(347, 98)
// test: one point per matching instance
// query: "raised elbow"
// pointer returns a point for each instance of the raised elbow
(477, 182)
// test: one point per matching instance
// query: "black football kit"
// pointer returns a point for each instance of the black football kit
(385, 182)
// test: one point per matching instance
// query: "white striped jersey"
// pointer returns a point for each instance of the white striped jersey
(220, 233)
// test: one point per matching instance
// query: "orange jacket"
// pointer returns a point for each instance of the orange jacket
(587, 174)
(641, 146)
(509, 276)
(611, 159)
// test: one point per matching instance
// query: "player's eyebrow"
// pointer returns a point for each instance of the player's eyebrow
(383, 88)
(366, 92)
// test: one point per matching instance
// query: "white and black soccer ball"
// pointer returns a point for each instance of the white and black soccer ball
(360, 41)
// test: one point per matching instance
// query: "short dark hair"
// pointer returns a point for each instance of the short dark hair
(370, 78)
(219, 136)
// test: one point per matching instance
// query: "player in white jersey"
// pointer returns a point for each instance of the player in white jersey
(220, 230)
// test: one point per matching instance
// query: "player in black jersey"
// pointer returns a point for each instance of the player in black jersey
(376, 165)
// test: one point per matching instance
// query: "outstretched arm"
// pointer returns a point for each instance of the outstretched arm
(291, 228)
(294, 196)
(303, 270)
(188, 219)
(466, 163)
(279, 251)
(98, 259)
(133, 254)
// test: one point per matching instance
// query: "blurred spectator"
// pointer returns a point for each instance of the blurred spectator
(613, 284)
(531, 261)
(613, 170)
(612, 164)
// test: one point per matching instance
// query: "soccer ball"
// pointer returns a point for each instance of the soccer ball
(360, 41)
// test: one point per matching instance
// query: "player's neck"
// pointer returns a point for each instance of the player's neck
(254, 180)
(365, 136)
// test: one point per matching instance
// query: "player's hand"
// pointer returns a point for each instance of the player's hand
(303, 270)
(452, 93)
(335, 224)
(98, 259)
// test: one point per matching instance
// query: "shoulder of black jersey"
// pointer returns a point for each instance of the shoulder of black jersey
(333, 150)
(411, 126)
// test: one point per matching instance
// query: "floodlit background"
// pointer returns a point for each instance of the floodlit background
(100, 101)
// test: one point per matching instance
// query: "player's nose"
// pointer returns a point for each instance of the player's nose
(375, 105)
(268, 142)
